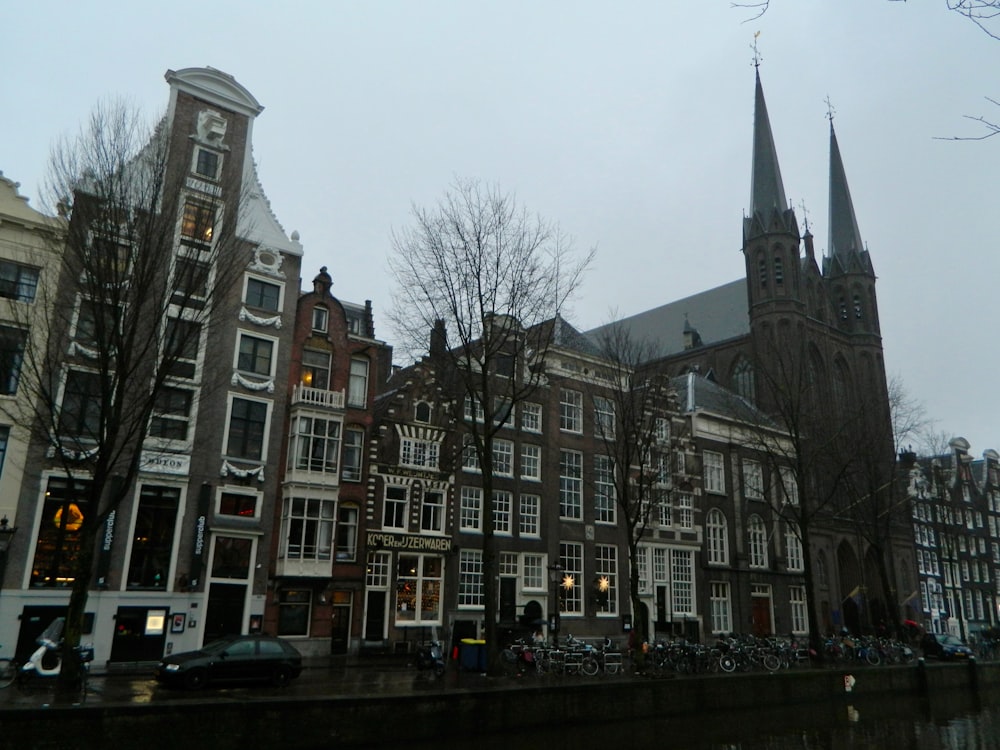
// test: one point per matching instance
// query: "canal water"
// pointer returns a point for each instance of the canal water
(955, 721)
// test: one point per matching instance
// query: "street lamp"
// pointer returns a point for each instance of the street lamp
(556, 579)
(6, 537)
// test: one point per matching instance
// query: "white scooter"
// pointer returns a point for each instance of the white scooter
(46, 660)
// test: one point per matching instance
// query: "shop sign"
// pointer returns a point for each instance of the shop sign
(165, 463)
(383, 540)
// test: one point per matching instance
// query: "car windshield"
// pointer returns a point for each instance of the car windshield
(950, 640)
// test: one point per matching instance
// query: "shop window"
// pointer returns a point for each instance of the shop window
(293, 612)
(57, 545)
(153, 537)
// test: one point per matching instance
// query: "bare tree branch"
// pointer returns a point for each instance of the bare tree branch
(140, 276)
(492, 281)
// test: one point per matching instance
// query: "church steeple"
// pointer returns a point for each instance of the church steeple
(767, 192)
(770, 232)
(845, 238)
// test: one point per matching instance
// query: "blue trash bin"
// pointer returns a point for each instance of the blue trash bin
(472, 655)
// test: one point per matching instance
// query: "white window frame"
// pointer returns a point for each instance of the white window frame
(789, 485)
(357, 390)
(715, 472)
(528, 515)
(570, 411)
(266, 429)
(717, 537)
(419, 454)
(470, 515)
(604, 418)
(320, 318)
(757, 542)
(794, 559)
(606, 567)
(268, 283)
(503, 502)
(571, 485)
(685, 511)
(531, 462)
(605, 494)
(721, 609)
(503, 457)
(753, 480)
(571, 596)
(531, 417)
(401, 508)
(432, 513)
(470, 579)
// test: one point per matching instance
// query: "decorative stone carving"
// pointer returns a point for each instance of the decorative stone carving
(211, 127)
(246, 315)
(267, 261)
(228, 469)
(252, 385)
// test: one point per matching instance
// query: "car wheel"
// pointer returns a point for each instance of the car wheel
(281, 677)
(195, 679)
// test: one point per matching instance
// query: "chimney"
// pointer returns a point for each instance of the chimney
(439, 338)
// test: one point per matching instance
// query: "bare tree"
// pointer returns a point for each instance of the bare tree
(802, 444)
(637, 443)
(876, 507)
(487, 276)
(141, 275)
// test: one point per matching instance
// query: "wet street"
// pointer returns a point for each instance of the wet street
(341, 680)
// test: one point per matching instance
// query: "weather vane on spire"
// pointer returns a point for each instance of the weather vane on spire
(830, 111)
(757, 58)
(805, 214)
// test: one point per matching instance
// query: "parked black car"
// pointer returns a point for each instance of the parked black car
(241, 658)
(944, 646)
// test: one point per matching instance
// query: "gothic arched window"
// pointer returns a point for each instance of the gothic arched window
(743, 379)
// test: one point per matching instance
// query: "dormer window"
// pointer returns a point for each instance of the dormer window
(321, 318)
(423, 412)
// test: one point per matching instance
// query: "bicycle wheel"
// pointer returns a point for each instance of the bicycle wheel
(8, 672)
(727, 663)
(589, 666)
(771, 663)
(873, 657)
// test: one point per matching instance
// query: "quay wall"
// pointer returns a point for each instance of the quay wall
(204, 722)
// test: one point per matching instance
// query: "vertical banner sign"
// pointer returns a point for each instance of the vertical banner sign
(107, 538)
(200, 535)
(104, 553)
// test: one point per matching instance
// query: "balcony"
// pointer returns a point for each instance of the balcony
(318, 397)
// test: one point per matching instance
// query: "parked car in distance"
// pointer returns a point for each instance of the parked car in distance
(944, 646)
(241, 658)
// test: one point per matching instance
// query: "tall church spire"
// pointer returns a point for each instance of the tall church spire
(845, 238)
(767, 192)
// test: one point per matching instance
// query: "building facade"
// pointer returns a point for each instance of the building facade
(183, 559)
(29, 259)
(954, 501)
(814, 320)
(316, 581)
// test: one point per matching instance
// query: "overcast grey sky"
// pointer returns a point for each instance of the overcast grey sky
(627, 123)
